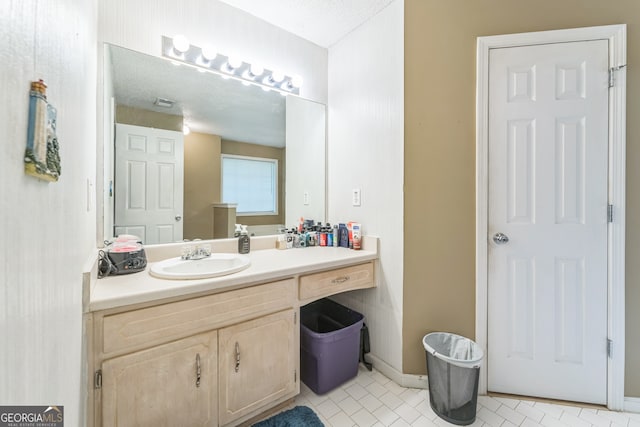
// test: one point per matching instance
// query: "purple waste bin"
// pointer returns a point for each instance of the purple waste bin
(329, 344)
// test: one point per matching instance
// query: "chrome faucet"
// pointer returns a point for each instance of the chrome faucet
(190, 252)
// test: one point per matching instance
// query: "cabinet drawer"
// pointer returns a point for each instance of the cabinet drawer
(319, 285)
(166, 322)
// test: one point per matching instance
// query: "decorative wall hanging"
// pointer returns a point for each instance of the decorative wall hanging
(42, 156)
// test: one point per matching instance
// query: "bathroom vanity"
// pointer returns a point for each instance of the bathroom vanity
(214, 352)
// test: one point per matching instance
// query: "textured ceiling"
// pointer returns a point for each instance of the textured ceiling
(208, 103)
(323, 22)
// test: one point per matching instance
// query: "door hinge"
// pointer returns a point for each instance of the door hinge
(612, 70)
(609, 348)
(295, 317)
(97, 379)
(609, 213)
(295, 375)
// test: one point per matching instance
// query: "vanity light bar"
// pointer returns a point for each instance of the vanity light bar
(229, 67)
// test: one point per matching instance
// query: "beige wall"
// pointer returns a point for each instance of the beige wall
(201, 183)
(246, 149)
(440, 51)
(150, 119)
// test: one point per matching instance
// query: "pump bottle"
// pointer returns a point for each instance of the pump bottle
(244, 241)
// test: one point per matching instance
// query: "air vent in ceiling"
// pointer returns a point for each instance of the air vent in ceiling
(163, 102)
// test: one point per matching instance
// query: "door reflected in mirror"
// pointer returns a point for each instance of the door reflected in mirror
(166, 186)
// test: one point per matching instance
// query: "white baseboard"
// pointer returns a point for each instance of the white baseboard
(632, 404)
(404, 380)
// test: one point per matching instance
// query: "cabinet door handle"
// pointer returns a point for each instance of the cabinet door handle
(198, 370)
(339, 280)
(237, 356)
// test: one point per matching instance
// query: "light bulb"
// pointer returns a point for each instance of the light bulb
(186, 130)
(257, 70)
(209, 53)
(277, 76)
(235, 62)
(180, 43)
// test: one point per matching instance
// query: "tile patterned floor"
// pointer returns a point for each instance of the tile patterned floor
(371, 399)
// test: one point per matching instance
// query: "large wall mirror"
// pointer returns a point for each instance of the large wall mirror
(252, 156)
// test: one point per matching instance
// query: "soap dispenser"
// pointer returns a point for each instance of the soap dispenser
(244, 242)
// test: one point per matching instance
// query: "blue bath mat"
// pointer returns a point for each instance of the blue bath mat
(300, 416)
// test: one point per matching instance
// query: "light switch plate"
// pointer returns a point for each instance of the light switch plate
(355, 197)
(305, 198)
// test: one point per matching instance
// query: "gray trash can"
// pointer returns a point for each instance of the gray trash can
(453, 370)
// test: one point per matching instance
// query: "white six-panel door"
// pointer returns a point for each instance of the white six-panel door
(547, 249)
(149, 179)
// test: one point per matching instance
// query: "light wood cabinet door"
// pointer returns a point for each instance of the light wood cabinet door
(258, 363)
(169, 385)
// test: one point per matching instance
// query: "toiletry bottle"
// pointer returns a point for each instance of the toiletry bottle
(329, 235)
(336, 239)
(237, 231)
(344, 236)
(350, 228)
(244, 242)
(290, 239)
(281, 243)
(356, 232)
(323, 237)
(308, 237)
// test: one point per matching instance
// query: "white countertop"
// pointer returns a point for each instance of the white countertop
(266, 265)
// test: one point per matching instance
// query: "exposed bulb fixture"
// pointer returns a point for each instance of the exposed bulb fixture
(234, 62)
(180, 44)
(253, 72)
(256, 70)
(274, 78)
(209, 53)
(277, 76)
(207, 59)
(186, 130)
(231, 65)
(294, 83)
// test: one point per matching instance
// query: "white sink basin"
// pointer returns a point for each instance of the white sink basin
(218, 264)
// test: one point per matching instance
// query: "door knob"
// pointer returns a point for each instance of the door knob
(178, 218)
(500, 238)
